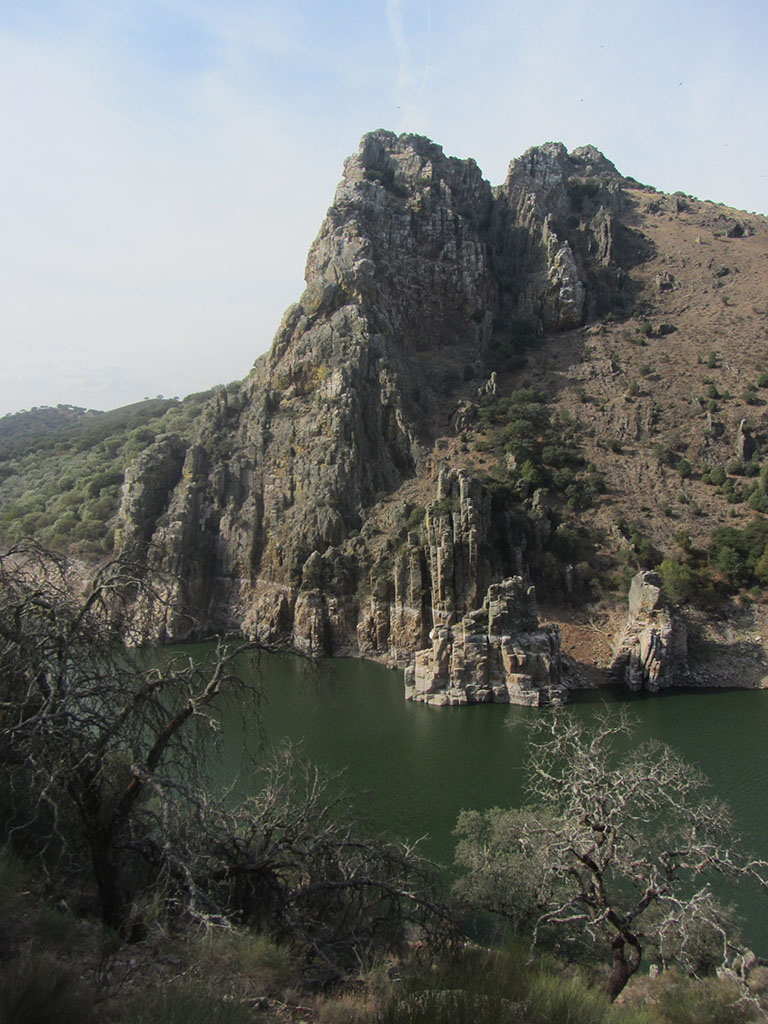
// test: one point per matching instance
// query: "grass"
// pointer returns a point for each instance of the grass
(185, 1003)
(235, 976)
(39, 990)
(486, 987)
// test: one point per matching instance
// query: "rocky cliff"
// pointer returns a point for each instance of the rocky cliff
(419, 266)
(650, 652)
(497, 654)
(363, 488)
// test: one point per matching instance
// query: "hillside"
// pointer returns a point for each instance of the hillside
(565, 375)
(62, 468)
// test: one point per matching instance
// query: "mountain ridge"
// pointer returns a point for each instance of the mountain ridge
(477, 382)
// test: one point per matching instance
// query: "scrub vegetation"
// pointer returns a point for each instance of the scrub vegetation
(131, 890)
(61, 470)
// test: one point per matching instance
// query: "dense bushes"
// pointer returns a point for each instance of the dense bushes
(61, 470)
(740, 557)
(734, 559)
(540, 450)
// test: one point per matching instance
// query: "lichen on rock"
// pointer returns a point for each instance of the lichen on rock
(497, 653)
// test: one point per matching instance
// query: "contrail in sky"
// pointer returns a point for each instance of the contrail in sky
(394, 11)
(429, 55)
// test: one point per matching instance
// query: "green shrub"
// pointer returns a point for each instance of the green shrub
(665, 456)
(415, 518)
(716, 476)
(559, 999)
(187, 1004)
(443, 507)
(677, 580)
(758, 501)
(735, 554)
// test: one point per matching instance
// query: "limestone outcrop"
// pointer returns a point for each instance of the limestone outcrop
(650, 652)
(287, 515)
(497, 653)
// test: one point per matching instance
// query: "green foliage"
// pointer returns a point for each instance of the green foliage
(677, 579)
(749, 395)
(510, 351)
(713, 361)
(646, 556)
(707, 1001)
(545, 449)
(716, 476)
(488, 987)
(762, 380)
(515, 423)
(61, 469)
(740, 557)
(563, 1000)
(187, 1003)
(665, 455)
(758, 500)
(415, 518)
(443, 507)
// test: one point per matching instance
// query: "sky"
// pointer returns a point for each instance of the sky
(167, 163)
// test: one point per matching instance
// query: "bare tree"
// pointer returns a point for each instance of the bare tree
(104, 751)
(294, 860)
(91, 730)
(616, 846)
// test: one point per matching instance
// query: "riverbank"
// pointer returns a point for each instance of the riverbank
(727, 646)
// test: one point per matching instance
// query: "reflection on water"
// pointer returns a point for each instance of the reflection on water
(414, 768)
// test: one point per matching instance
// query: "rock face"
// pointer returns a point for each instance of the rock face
(496, 653)
(289, 514)
(650, 652)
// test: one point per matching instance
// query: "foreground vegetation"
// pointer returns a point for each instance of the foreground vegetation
(131, 891)
(58, 966)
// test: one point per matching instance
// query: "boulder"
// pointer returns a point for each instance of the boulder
(650, 651)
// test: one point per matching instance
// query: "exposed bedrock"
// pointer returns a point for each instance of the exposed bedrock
(284, 517)
(496, 653)
(650, 651)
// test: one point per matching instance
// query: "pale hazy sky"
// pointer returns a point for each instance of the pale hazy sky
(167, 163)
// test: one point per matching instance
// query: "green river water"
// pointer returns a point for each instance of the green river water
(413, 768)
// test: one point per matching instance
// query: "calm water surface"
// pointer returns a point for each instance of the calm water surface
(414, 768)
